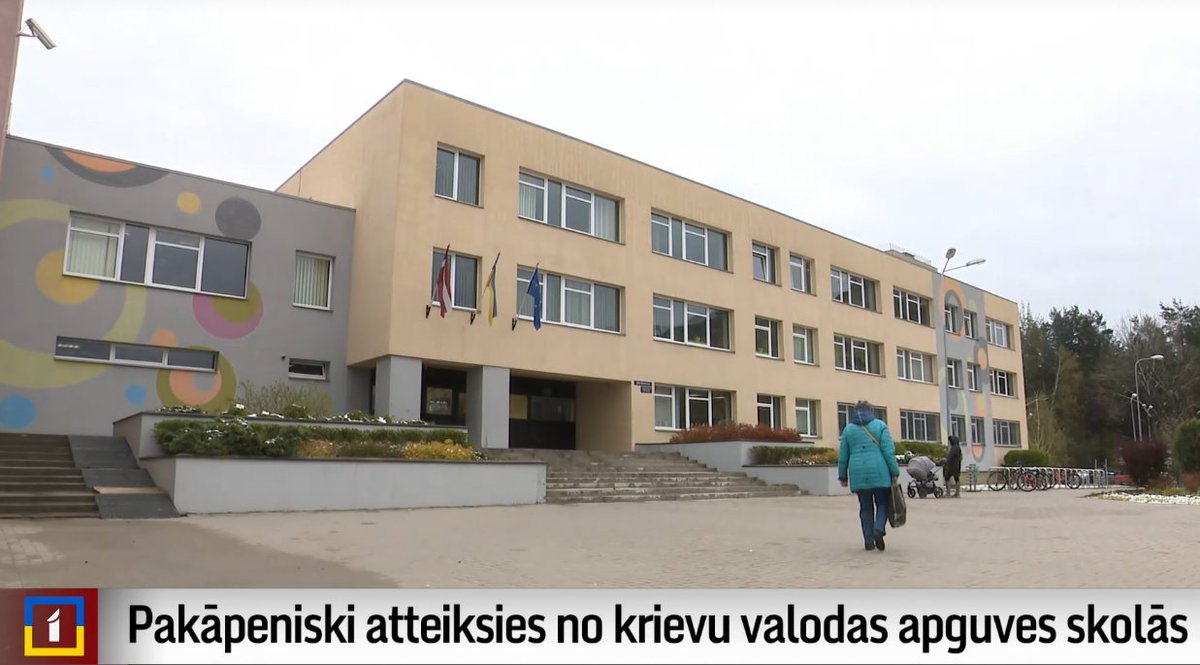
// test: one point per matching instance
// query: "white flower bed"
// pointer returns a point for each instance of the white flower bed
(1152, 498)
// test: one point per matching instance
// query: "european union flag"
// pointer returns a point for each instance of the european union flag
(535, 292)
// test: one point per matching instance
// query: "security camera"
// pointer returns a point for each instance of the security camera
(35, 30)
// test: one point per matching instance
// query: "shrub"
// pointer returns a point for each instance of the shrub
(1027, 458)
(1187, 446)
(932, 449)
(736, 432)
(1144, 460)
(792, 455)
(235, 436)
(316, 448)
(368, 448)
(281, 396)
(1190, 480)
(446, 450)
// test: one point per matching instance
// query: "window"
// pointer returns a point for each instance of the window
(571, 302)
(804, 345)
(1002, 382)
(770, 411)
(766, 337)
(801, 273)
(457, 176)
(854, 290)
(918, 426)
(954, 373)
(910, 306)
(951, 315)
(678, 407)
(313, 281)
(914, 366)
(998, 333)
(464, 271)
(970, 322)
(807, 411)
(308, 369)
(554, 203)
(856, 355)
(973, 377)
(121, 251)
(846, 414)
(92, 350)
(763, 258)
(977, 430)
(1007, 432)
(691, 242)
(958, 427)
(691, 323)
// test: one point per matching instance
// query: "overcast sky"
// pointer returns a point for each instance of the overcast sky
(1059, 141)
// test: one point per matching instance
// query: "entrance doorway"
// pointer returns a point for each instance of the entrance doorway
(541, 413)
(444, 396)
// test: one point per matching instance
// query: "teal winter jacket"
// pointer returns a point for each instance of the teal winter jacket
(868, 466)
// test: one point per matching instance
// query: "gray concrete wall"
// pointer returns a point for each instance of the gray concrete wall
(254, 336)
(728, 456)
(239, 485)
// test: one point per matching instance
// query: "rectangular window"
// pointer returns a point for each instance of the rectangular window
(770, 411)
(117, 353)
(308, 369)
(313, 280)
(911, 306)
(691, 323)
(854, 290)
(954, 373)
(804, 345)
(951, 318)
(958, 427)
(118, 250)
(801, 273)
(464, 279)
(970, 323)
(1002, 382)
(763, 258)
(1007, 432)
(690, 242)
(856, 355)
(807, 411)
(557, 204)
(977, 425)
(914, 366)
(846, 414)
(679, 407)
(918, 426)
(571, 302)
(457, 176)
(998, 333)
(766, 337)
(973, 377)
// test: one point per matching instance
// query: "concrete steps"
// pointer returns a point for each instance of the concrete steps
(38, 478)
(596, 477)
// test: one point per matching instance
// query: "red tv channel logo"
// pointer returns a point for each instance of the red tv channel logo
(56, 625)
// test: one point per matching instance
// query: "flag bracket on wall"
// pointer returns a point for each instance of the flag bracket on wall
(474, 313)
(427, 310)
(514, 323)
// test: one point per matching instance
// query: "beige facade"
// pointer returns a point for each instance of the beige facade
(385, 165)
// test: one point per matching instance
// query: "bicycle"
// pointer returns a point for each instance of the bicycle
(1013, 479)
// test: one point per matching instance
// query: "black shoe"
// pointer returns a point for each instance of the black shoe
(879, 544)
(870, 546)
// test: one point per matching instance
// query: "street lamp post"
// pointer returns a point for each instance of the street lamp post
(950, 253)
(1133, 414)
(1158, 357)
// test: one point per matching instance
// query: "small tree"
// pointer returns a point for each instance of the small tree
(1144, 460)
(1187, 446)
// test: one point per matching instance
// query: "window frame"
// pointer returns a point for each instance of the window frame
(806, 269)
(296, 275)
(774, 404)
(849, 346)
(686, 306)
(687, 227)
(996, 377)
(151, 244)
(433, 290)
(844, 292)
(845, 412)
(970, 324)
(928, 423)
(1011, 430)
(810, 337)
(112, 358)
(906, 359)
(773, 328)
(811, 421)
(323, 364)
(973, 377)
(994, 325)
(977, 436)
(954, 373)
(562, 205)
(951, 317)
(477, 203)
(681, 398)
(905, 301)
(770, 258)
(958, 426)
(562, 300)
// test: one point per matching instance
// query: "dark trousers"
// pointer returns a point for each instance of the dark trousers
(873, 511)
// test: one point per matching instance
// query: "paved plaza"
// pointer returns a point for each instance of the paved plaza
(1009, 539)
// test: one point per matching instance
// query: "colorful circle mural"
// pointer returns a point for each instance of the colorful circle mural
(203, 390)
(48, 173)
(105, 171)
(188, 202)
(238, 218)
(62, 289)
(229, 318)
(17, 412)
(135, 394)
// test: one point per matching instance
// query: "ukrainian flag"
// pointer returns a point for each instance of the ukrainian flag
(491, 291)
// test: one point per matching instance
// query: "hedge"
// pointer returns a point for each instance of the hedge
(932, 449)
(736, 432)
(792, 455)
(1027, 458)
(1187, 446)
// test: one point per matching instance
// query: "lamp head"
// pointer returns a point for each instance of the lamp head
(950, 253)
(1157, 356)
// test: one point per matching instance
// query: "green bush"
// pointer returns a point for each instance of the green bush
(1027, 458)
(736, 432)
(235, 436)
(1187, 446)
(792, 455)
(932, 449)
(306, 400)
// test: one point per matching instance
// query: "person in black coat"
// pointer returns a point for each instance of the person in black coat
(953, 464)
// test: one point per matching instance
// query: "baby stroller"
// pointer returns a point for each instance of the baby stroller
(924, 478)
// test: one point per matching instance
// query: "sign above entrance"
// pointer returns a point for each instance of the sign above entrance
(646, 386)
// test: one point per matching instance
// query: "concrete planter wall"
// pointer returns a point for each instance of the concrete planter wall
(138, 429)
(251, 484)
(817, 479)
(728, 456)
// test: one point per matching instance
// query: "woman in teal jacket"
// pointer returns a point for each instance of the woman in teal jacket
(867, 457)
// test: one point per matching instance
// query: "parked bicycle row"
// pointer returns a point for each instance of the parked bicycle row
(1028, 479)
